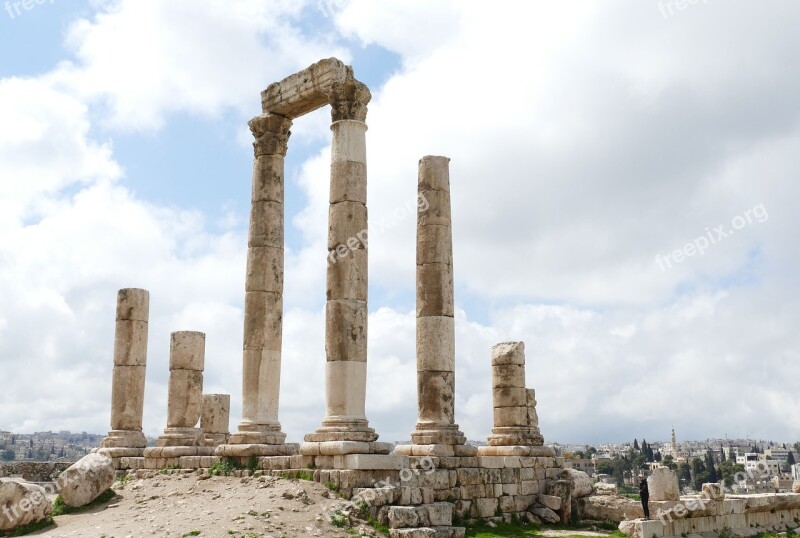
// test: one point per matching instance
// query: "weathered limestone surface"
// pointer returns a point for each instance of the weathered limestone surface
(130, 361)
(515, 418)
(580, 481)
(663, 485)
(186, 364)
(436, 356)
(22, 504)
(263, 324)
(86, 480)
(610, 507)
(745, 515)
(306, 90)
(347, 277)
(215, 418)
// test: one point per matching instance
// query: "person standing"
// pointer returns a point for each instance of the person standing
(644, 495)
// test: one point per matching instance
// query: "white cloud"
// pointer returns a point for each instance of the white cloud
(584, 141)
(146, 59)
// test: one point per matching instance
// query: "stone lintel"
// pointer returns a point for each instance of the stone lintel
(306, 90)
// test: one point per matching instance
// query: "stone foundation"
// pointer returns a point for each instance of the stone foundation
(412, 495)
(743, 515)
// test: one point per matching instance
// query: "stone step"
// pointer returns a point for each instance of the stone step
(426, 515)
(429, 532)
(378, 497)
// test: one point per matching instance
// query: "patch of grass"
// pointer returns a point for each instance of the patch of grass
(300, 475)
(225, 466)
(60, 507)
(363, 513)
(124, 479)
(607, 525)
(191, 533)
(331, 486)
(252, 464)
(502, 530)
(28, 529)
(167, 469)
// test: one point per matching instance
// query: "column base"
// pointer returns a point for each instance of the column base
(434, 434)
(515, 436)
(343, 429)
(246, 450)
(124, 439)
(180, 437)
(215, 439)
(258, 434)
(437, 450)
(535, 451)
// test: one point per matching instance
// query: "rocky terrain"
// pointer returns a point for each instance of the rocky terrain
(183, 503)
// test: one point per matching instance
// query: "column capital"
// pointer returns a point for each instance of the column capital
(349, 101)
(271, 132)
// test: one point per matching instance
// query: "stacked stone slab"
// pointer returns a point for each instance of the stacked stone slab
(127, 386)
(516, 428)
(214, 418)
(436, 433)
(182, 437)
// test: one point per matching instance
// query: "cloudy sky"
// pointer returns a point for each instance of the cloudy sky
(624, 181)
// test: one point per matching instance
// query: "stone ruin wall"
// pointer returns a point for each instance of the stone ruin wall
(33, 471)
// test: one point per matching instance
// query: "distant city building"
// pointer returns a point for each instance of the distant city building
(780, 454)
(585, 465)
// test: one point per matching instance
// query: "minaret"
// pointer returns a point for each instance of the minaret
(674, 443)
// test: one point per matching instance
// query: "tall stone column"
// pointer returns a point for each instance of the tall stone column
(346, 308)
(127, 386)
(436, 433)
(515, 420)
(186, 363)
(436, 355)
(260, 429)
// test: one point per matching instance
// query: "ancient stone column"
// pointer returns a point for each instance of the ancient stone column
(514, 405)
(186, 364)
(130, 361)
(263, 316)
(214, 418)
(346, 308)
(436, 355)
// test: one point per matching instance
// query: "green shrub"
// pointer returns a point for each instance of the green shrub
(225, 466)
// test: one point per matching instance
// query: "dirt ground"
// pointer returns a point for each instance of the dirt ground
(183, 504)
